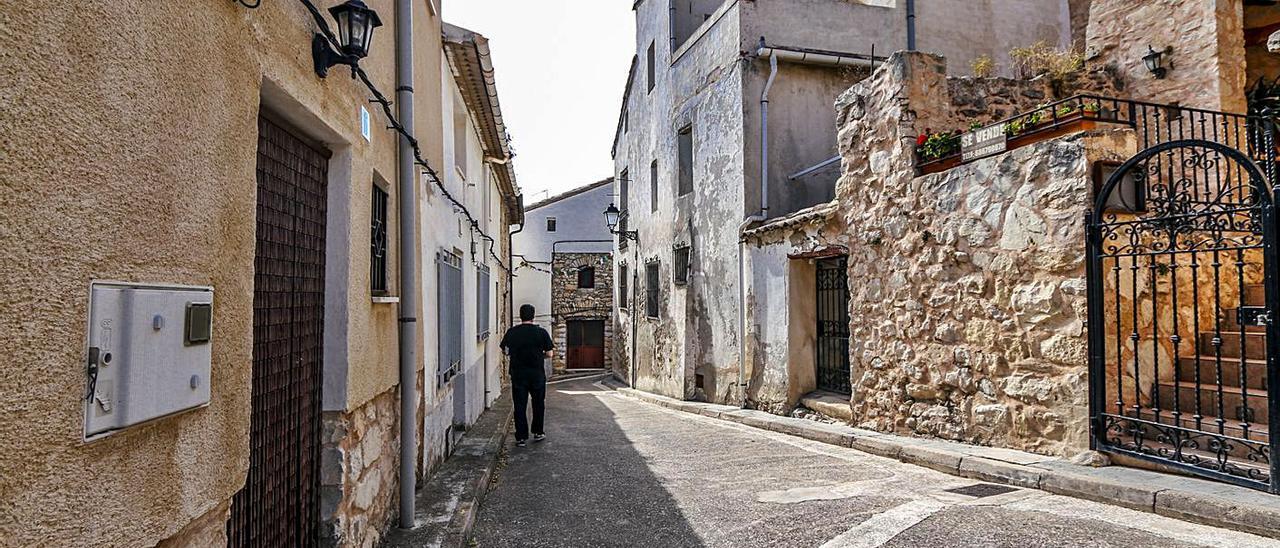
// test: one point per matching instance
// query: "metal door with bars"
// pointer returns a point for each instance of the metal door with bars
(279, 504)
(832, 359)
(1182, 295)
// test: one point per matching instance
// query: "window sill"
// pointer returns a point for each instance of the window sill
(385, 299)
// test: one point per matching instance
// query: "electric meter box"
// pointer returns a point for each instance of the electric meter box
(148, 353)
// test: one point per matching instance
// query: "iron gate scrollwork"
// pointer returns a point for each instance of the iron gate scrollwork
(832, 358)
(1182, 342)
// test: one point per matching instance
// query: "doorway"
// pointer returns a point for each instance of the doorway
(585, 341)
(279, 503)
(832, 359)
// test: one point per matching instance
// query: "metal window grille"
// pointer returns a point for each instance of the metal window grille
(482, 303)
(685, 144)
(449, 315)
(623, 286)
(680, 270)
(651, 289)
(378, 242)
(586, 277)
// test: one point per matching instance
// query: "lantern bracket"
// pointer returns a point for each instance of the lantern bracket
(325, 56)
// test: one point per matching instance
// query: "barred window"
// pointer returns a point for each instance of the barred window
(651, 289)
(378, 242)
(681, 266)
(449, 315)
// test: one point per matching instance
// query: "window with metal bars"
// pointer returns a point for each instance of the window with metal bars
(624, 283)
(651, 289)
(449, 315)
(680, 272)
(482, 303)
(378, 242)
(586, 277)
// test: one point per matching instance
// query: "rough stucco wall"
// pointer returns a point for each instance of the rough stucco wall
(703, 87)
(131, 142)
(1208, 54)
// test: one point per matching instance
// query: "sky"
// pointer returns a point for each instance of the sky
(561, 67)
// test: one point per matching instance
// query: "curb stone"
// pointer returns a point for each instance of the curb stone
(1180, 497)
(449, 500)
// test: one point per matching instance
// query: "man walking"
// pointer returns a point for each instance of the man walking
(527, 345)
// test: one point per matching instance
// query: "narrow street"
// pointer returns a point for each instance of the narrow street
(618, 472)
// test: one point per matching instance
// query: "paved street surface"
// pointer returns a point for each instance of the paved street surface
(618, 472)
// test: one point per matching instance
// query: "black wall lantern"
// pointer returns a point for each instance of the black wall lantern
(1155, 61)
(355, 33)
(611, 218)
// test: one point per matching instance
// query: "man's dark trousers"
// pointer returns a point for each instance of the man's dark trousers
(522, 389)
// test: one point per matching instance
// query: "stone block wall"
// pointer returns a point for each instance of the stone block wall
(569, 302)
(1208, 55)
(972, 279)
(359, 472)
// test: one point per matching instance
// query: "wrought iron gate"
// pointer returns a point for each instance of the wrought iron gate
(832, 360)
(1182, 295)
(279, 504)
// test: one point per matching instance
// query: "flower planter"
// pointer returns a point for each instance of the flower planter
(1052, 129)
(940, 164)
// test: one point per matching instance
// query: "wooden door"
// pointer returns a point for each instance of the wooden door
(585, 340)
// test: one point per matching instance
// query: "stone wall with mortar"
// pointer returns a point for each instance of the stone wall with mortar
(1207, 57)
(969, 284)
(359, 472)
(570, 302)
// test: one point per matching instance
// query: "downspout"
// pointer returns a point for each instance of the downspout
(911, 25)
(760, 216)
(408, 267)
(511, 273)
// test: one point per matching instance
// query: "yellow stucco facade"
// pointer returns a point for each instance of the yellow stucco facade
(128, 153)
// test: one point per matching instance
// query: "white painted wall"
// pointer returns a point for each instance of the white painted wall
(445, 227)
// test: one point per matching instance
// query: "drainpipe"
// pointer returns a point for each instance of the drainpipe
(911, 25)
(408, 268)
(511, 273)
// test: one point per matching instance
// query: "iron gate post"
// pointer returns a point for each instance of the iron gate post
(1271, 279)
(1095, 333)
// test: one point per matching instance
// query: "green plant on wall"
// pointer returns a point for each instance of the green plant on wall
(983, 66)
(940, 145)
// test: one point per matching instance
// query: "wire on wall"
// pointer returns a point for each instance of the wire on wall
(395, 124)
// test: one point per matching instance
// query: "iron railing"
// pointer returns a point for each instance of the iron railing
(1153, 124)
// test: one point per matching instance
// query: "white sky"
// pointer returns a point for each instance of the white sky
(561, 66)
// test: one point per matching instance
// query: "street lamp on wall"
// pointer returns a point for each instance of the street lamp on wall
(1155, 61)
(355, 34)
(611, 218)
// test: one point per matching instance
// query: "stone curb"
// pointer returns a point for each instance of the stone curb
(463, 477)
(1179, 497)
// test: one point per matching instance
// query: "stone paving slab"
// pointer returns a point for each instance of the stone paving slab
(446, 506)
(1191, 499)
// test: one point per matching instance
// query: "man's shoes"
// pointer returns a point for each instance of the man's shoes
(520, 443)
(539, 437)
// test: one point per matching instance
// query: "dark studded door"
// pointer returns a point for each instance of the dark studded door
(832, 360)
(278, 505)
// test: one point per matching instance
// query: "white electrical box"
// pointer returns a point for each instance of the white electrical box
(148, 353)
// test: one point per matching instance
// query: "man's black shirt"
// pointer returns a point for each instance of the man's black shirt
(527, 345)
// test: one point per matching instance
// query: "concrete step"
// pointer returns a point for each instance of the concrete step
(1255, 372)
